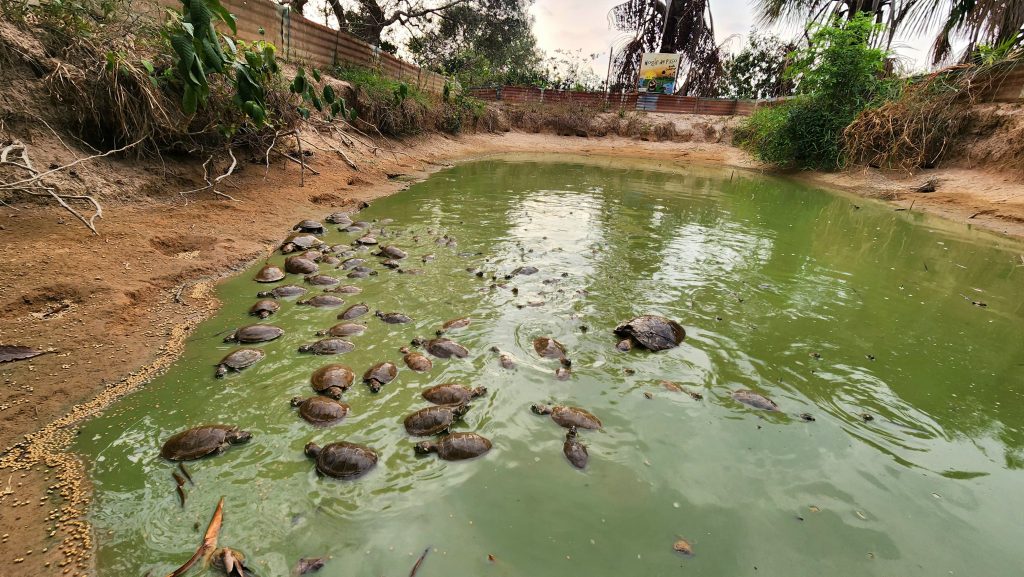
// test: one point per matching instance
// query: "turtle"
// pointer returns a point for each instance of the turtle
(257, 333)
(322, 280)
(455, 446)
(201, 441)
(393, 318)
(391, 264)
(310, 226)
(444, 348)
(365, 270)
(366, 240)
(300, 265)
(329, 260)
(264, 308)
(350, 228)
(393, 252)
(320, 411)
(452, 394)
(361, 224)
(332, 380)
(379, 375)
(339, 218)
(351, 263)
(231, 562)
(342, 460)
(549, 348)
(434, 419)
(418, 362)
(752, 399)
(428, 257)
(412, 271)
(454, 324)
(574, 450)
(625, 345)
(522, 271)
(329, 346)
(568, 416)
(506, 361)
(563, 373)
(361, 273)
(353, 312)
(342, 250)
(652, 332)
(237, 360)
(344, 289)
(269, 273)
(343, 330)
(311, 254)
(322, 301)
(283, 291)
(299, 241)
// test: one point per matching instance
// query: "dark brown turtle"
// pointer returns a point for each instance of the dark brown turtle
(454, 324)
(300, 241)
(445, 348)
(350, 228)
(652, 332)
(339, 218)
(549, 348)
(257, 333)
(300, 265)
(412, 271)
(283, 291)
(342, 460)
(342, 250)
(264, 308)
(310, 226)
(329, 260)
(322, 301)
(568, 416)
(455, 446)
(351, 263)
(752, 399)
(198, 442)
(332, 380)
(418, 362)
(523, 271)
(344, 289)
(329, 346)
(452, 394)
(353, 312)
(320, 411)
(391, 264)
(361, 224)
(313, 255)
(238, 360)
(392, 252)
(506, 361)
(434, 420)
(343, 330)
(379, 375)
(393, 318)
(322, 280)
(269, 273)
(366, 240)
(574, 450)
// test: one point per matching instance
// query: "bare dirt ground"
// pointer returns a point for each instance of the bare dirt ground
(115, 308)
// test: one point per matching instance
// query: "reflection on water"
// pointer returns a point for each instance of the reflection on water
(827, 308)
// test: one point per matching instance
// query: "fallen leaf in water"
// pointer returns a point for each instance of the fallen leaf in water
(491, 558)
(10, 353)
(683, 546)
(814, 509)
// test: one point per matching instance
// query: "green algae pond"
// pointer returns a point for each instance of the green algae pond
(901, 335)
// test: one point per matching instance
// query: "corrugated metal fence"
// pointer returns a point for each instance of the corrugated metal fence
(627, 100)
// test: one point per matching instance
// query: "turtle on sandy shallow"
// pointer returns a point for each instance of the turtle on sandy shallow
(300, 241)
(269, 273)
(652, 332)
(257, 333)
(329, 346)
(445, 348)
(339, 218)
(455, 446)
(320, 411)
(343, 330)
(322, 301)
(452, 394)
(568, 416)
(351, 263)
(392, 252)
(344, 289)
(418, 362)
(574, 450)
(549, 348)
(752, 399)
(434, 419)
(300, 265)
(310, 226)
(379, 375)
(198, 442)
(354, 311)
(322, 280)
(264, 308)
(238, 360)
(342, 460)
(332, 380)
(393, 318)
(283, 291)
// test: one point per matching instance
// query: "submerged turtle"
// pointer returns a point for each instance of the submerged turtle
(445, 348)
(459, 323)
(393, 318)
(392, 264)
(254, 334)
(342, 460)
(350, 228)
(329, 260)
(652, 332)
(574, 450)
(353, 312)
(366, 240)
(323, 301)
(361, 272)
(329, 346)
(379, 375)
(361, 224)
(568, 416)
(238, 360)
(283, 291)
(264, 308)
(452, 394)
(343, 330)
(322, 280)
(549, 348)
(344, 289)
(200, 441)
(310, 226)
(418, 362)
(332, 380)
(455, 446)
(752, 399)
(299, 241)
(351, 263)
(320, 411)
(339, 218)
(269, 273)
(392, 252)
(523, 270)
(433, 420)
(506, 361)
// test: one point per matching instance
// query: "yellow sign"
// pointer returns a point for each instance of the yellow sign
(658, 73)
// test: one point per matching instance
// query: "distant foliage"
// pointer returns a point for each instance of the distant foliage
(758, 70)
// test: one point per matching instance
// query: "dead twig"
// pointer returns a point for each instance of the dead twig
(209, 541)
(211, 185)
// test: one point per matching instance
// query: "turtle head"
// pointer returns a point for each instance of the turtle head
(404, 350)
(321, 333)
(374, 385)
(265, 294)
(230, 338)
(296, 401)
(304, 349)
(418, 342)
(571, 434)
(311, 450)
(221, 371)
(460, 410)
(263, 314)
(425, 447)
(238, 436)
(334, 392)
(479, 392)
(540, 409)
(565, 362)
(378, 314)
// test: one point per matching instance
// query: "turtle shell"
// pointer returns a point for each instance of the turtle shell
(574, 417)
(330, 376)
(343, 460)
(329, 260)
(445, 348)
(354, 311)
(301, 241)
(393, 318)
(345, 289)
(351, 263)
(459, 446)
(310, 226)
(549, 348)
(524, 271)
(269, 273)
(417, 362)
(574, 450)
(238, 360)
(343, 330)
(752, 399)
(451, 394)
(257, 333)
(329, 346)
(366, 240)
(458, 323)
(361, 273)
(300, 265)
(284, 291)
(393, 252)
(432, 420)
(653, 332)
(322, 301)
(264, 308)
(339, 218)
(321, 411)
(350, 228)
(382, 373)
(197, 442)
(322, 280)
(361, 224)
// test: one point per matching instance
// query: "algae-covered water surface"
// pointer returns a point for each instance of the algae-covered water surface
(902, 336)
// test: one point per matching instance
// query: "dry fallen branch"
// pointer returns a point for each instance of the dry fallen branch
(211, 185)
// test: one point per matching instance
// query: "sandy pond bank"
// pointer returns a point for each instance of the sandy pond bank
(117, 308)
